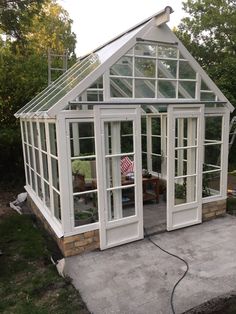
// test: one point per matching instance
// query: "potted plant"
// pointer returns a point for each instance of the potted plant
(86, 216)
(83, 218)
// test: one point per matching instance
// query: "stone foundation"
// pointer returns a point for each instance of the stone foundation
(72, 245)
(213, 210)
(88, 241)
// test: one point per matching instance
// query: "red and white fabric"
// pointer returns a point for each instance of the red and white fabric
(126, 165)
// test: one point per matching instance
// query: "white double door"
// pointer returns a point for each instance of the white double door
(118, 140)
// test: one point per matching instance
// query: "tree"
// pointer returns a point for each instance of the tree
(209, 33)
(30, 28)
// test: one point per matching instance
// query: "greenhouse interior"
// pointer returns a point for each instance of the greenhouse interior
(131, 140)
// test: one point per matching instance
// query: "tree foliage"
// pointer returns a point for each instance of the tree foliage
(209, 33)
(28, 28)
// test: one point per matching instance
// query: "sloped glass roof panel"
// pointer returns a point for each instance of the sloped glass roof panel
(70, 79)
(36, 100)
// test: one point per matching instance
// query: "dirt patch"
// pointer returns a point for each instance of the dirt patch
(231, 182)
(223, 304)
(5, 198)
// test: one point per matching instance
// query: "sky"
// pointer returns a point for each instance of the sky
(97, 21)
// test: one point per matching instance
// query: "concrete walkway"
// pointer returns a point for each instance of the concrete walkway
(138, 277)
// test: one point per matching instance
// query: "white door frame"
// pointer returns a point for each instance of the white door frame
(188, 213)
(120, 230)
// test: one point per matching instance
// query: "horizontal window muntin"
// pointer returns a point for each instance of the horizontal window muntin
(120, 155)
(121, 187)
(83, 157)
(186, 147)
(186, 176)
(85, 192)
(212, 142)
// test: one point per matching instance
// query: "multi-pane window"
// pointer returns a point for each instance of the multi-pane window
(83, 168)
(212, 164)
(41, 163)
(153, 71)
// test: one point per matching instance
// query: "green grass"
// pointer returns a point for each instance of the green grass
(29, 283)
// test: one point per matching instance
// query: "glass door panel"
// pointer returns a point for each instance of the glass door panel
(184, 160)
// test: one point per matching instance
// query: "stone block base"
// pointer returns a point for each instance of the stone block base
(72, 245)
(213, 210)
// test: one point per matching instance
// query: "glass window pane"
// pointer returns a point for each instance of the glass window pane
(57, 205)
(45, 166)
(123, 67)
(47, 195)
(166, 89)
(82, 139)
(53, 139)
(156, 126)
(156, 163)
(95, 95)
(208, 96)
(29, 132)
(33, 180)
(144, 88)
(39, 183)
(212, 157)
(119, 137)
(43, 136)
(156, 145)
(167, 69)
(204, 86)
(121, 87)
(83, 175)
(145, 67)
(121, 203)
(98, 83)
(145, 50)
(187, 89)
(85, 209)
(27, 175)
(31, 157)
(144, 143)
(86, 129)
(24, 131)
(37, 161)
(186, 71)
(213, 128)
(167, 52)
(185, 190)
(126, 136)
(26, 153)
(35, 134)
(55, 173)
(182, 136)
(211, 184)
(144, 161)
(144, 125)
(117, 169)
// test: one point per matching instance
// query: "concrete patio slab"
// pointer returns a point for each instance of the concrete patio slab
(138, 277)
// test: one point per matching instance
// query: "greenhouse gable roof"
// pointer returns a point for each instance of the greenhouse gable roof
(88, 69)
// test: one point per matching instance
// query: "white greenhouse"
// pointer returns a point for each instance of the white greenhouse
(133, 137)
